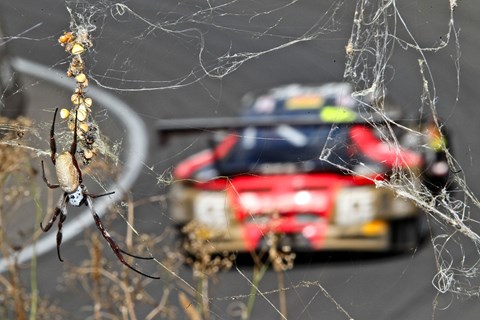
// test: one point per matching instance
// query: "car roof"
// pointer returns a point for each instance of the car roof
(331, 102)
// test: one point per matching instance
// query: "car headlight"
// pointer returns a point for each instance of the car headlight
(179, 203)
(355, 205)
(210, 209)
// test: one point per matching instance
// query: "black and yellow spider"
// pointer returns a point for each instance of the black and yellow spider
(69, 178)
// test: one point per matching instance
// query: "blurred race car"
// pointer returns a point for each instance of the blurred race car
(303, 163)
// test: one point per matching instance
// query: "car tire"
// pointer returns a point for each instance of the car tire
(407, 234)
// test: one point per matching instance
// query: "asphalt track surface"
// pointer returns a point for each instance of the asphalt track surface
(367, 287)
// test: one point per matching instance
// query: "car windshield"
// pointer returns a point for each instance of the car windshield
(288, 148)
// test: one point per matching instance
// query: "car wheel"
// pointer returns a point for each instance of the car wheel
(408, 234)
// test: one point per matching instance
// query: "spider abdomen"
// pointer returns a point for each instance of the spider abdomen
(67, 174)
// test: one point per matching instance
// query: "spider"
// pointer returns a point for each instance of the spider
(75, 193)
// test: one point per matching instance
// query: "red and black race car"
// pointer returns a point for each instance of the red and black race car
(304, 163)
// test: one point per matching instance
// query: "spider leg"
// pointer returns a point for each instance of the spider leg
(53, 145)
(135, 256)
(52, 220)
(58, 209)
(59, 234)
(93, 196)
(73, 150)
(116, 249)
(51, 186)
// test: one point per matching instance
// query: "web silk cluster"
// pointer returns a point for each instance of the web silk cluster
(368, 53)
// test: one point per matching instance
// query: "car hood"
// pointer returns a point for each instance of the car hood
(287, 194)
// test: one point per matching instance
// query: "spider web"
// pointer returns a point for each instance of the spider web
(377, 29)
(217, 41)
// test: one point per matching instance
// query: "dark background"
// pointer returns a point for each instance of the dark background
(366, 286)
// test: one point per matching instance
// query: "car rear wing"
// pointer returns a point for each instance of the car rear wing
(168, 127)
